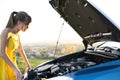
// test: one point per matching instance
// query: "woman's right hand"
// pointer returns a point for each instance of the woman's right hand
(18, 75)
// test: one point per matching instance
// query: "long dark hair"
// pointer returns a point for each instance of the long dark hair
(18, 16)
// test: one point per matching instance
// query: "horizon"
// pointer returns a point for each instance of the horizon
(52, 43)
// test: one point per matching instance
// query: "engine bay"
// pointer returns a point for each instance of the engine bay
(71, 63)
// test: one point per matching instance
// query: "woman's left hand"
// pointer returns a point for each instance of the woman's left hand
(27, 69)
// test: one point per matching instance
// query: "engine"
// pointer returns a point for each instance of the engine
(68, 64)
(59, 69)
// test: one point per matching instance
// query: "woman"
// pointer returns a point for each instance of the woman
(10, 41)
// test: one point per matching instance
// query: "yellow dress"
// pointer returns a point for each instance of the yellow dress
(6, 72)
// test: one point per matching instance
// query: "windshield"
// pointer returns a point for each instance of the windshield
(106, 44)
(111, 44)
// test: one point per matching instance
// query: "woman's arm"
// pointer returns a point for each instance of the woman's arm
(23, 55)
(5, 57)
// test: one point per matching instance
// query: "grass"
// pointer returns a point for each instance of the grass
(34, 62)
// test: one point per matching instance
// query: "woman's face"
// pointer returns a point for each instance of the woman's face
(22, 27)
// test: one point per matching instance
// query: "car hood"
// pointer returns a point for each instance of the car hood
(87, 20)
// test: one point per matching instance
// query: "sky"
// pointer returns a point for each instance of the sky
(46, 22)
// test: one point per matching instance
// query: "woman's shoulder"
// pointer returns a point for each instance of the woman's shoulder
(4, 32)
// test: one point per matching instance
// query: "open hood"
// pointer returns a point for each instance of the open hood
(87, 20)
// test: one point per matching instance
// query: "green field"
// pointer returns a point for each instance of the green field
(34, 62)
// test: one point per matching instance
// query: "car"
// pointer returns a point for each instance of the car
(100, 60)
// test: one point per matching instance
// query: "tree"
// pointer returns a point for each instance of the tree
(69, 48)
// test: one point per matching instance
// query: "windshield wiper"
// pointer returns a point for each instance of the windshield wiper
(107, 52)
